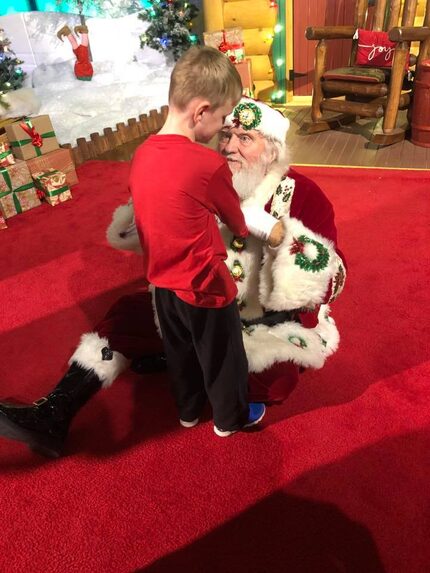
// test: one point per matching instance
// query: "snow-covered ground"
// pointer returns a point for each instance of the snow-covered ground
(127, 81)
(117, 92)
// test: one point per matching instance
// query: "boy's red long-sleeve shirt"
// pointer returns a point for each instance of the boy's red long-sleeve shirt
(178, 187)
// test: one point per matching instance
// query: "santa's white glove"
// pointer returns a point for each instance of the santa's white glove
(259, 222)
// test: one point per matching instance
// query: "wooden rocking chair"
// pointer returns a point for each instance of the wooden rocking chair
(378, 93)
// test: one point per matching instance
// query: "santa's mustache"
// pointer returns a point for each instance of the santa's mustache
(235, 158)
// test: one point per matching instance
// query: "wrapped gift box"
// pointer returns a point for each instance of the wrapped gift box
(31, 137)
(52, 184)
(245, 72)
(17, 190)
(6, 156)
(2, 223)
(229, 41)
(61, 159)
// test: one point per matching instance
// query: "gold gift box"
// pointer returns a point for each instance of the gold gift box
(54, 186)
(31, 137)
(17, 190)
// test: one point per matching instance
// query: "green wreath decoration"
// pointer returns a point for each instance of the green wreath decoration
(313, 265)
(248, 115)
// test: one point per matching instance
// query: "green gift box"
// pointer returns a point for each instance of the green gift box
(17, 190)
(31, 137)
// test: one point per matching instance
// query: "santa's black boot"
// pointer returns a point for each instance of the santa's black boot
(43, 425)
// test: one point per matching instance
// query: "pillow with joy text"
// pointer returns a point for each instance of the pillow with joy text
(375, 50)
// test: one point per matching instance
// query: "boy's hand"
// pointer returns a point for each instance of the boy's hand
(277, 235)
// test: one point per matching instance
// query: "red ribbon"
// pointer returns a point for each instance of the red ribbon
(296, 247)
(224, 47)
(36, 138)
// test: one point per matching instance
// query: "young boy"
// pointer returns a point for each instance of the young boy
(178, 187)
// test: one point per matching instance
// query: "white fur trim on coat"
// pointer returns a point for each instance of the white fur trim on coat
(284, 284)
(122, 233)
(89, 355)
(290, 341)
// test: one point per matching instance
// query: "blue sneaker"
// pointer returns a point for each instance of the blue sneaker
(256, 414)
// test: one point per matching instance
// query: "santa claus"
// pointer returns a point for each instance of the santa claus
(283, 292)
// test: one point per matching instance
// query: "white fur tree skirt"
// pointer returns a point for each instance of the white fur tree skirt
(117, 92)
(127, 82)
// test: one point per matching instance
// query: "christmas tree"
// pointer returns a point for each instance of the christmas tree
(170, 23)
(11, 75)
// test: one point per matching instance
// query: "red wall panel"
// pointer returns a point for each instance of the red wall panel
(318, 13)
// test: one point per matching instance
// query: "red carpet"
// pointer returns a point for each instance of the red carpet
(337, 480)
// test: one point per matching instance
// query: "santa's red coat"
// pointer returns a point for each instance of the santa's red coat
(129, 324)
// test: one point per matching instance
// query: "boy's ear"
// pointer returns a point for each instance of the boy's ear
(199, 110)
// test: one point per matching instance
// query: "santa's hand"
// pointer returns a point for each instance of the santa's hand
(277, 235)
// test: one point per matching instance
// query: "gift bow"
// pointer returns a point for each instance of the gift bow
(36, 138)
(225, 47)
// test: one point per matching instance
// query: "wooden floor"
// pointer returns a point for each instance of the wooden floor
(347, 146)
(350, 145)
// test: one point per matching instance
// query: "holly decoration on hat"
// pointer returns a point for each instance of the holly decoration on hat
(248, 115)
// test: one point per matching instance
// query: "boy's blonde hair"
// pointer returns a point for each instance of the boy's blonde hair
(207, 73)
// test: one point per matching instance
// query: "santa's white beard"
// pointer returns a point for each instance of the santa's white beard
(246, 180)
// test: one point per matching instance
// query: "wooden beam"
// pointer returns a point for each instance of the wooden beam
(318, 95)
(409, 11)
(395, 88)
(213, 13)
(409, 34)
(378, 20)
(342, 88)
(394, 14)
(352, 107)
(330, 32)
(361, 13)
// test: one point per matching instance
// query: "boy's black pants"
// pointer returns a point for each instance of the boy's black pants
(206, 359)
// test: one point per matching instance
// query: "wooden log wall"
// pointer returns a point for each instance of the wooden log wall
(133, 129)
